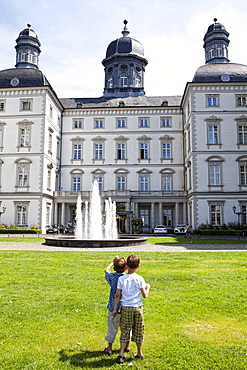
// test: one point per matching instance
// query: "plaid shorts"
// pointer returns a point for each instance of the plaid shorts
(132, 319)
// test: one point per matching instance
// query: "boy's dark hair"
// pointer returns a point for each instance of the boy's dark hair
(133, 261)
(119, 264)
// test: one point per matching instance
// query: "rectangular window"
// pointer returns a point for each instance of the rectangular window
(50, 142)
(212, 101)
(26, 105)
(166, 183)
(77, 151)
(22, 176)
(144, 215)
(121, 151)
(100, 182)
(121, 183)
(2, 106)
(213, 134)
(78, 123)
(51, 111)
(76, 183)
(24, 136)
(144, 183)
(166, 150)
(21, 215)
(215, 215)
(214, 175)
(243, 175)
(165, 122)
(1, 137)
(167, 217)
(49, 180)
(143, 122)
(121, 122)
(143, 150)
(98, 151)
(242, 134)
(99, 123)
(241, 101)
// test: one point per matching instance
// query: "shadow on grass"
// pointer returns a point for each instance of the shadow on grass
(87, 359)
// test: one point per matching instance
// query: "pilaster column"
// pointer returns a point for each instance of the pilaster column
(160, 214)
(176, 213)
(63, 214)
(152, 215)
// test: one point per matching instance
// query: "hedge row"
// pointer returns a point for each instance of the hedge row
(20, 231)
(218, 232)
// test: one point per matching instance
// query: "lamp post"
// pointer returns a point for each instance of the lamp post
(2, 211)
(238, 213)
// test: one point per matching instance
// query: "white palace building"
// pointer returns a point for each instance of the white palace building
(165, 159)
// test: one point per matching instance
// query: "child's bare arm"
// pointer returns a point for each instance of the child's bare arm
(145, 291)
(107, 269)
(116, 300)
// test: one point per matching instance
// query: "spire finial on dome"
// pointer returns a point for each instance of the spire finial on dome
(125, 31)
(215, 20)
(29, 25)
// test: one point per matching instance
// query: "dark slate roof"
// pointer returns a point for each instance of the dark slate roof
(124, 45)
(26, 77)
(212, 72)
(135, 101)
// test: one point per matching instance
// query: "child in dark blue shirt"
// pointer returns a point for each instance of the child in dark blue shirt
(119, 266)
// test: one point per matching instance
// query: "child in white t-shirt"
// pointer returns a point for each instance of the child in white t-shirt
(132, 287)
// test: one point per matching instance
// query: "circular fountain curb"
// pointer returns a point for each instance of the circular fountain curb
(71, 242)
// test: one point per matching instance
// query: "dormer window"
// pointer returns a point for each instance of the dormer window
(164, 103)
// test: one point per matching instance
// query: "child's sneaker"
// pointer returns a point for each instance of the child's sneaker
(107, 352)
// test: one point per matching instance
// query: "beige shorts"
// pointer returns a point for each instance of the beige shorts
(113, 324)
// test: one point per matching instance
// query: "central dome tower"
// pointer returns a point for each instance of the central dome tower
(124, 67)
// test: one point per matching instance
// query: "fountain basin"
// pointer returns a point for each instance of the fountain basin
(72, 242)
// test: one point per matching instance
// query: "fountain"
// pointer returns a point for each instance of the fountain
(94, 228)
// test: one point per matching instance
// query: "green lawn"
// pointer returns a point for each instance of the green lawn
(53, 311)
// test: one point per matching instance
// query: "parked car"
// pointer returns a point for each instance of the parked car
(69, 230)
(160, 229)
(180, 229)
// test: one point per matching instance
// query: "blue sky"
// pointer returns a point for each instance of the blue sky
(74, 36)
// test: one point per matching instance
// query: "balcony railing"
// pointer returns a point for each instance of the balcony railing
(123, 194)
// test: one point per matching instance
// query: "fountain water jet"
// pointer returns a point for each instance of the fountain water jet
(91, 231)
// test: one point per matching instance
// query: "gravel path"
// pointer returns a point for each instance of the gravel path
(141, 248)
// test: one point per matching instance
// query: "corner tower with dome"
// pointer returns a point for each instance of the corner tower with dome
(165, 159)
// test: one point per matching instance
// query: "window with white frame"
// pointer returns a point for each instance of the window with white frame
(123, 80)
(1, 135)
(48, 214)
(51, 111)
(121, 122)
(212, 100)
(241, 100)
(215, 214)
(76, 180)
(121, 182)
(58, 149)
(137, 81)
(242, 133)
(214, 174)
(24, 139)
(110, 82)
(166, 147)
(213, 134)
(144, 182)
(166, 150)
(48, 179)
(144, 150)
(143, 122)
(98, 151)
(243, 174)
(22, 172)
(50, 142)
(2, 106)
(166, 182)
(21, 214)
(99, 179)
(77, 151)
(121, 150)
(99, 123)
(78, 123)
(165, 122)
(26, 105)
